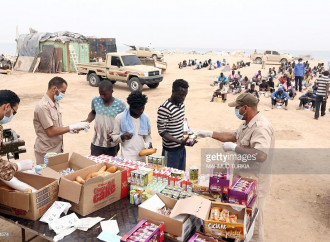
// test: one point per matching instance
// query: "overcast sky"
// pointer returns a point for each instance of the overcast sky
(220, 24)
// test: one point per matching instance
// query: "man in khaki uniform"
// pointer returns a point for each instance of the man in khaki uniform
(48, 121)
(255, 136)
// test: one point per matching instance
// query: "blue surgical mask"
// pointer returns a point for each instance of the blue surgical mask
(238, 115)
(59, 96)
(6, 119)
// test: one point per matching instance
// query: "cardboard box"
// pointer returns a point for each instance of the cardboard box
(156, 235)
(62, 162)
(201, 207)
(180, 228)
(97, 192)
(29, 205)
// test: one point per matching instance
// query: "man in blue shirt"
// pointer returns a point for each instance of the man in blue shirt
(307, 98)
(280, 96)
(105, 108)
(298, 71)
(222, 78)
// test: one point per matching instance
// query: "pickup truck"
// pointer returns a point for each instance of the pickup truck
(121, 67)
(272, 56)
(145, 52)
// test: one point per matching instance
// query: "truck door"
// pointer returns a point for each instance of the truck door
(114, 69)
(269, 55)
(276, 56)
(142, 52)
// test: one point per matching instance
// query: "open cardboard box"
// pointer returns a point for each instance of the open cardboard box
(181, 228)
(29, 205)
(62, 162)
(97, 192)
(201, 207)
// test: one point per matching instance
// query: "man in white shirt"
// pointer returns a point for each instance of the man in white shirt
(132, 128)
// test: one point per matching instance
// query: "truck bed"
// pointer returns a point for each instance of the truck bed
(84, 68)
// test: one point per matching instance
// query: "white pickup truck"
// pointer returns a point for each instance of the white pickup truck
(272, 56)
(121, 67)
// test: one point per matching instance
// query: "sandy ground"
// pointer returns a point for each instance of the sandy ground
(298, 206)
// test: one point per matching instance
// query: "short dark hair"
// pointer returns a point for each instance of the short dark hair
(7, 96)
(300, 59)
(57, 81)
(136, 100)
(107, 85)
(326, 73)
(179, 83)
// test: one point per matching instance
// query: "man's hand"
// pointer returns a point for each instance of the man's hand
(79, 126)
(126, 136)
(204, 134)
(109, 138)
(229, 146)
(24, 165)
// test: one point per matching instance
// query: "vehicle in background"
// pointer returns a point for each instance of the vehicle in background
(272, 56)
(145, 52)
(121, 67)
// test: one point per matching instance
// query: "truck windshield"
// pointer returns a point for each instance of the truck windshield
(131, 60)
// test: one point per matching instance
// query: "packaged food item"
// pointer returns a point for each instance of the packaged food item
(145, 231)
(215, 213)
(242, 191)
(193, 174)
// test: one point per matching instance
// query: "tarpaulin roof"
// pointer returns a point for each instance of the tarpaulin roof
(28, 44)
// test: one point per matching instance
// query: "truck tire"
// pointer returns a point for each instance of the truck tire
(284, 61)
(258, 60)
(134, 84)
(154, 85)
(154, 57)
(93, 79)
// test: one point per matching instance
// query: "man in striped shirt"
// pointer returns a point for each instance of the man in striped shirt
(170, 119)
(322, 84)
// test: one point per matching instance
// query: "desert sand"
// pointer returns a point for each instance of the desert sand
(298, 206)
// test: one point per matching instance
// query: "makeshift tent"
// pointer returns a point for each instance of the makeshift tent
(56, 58)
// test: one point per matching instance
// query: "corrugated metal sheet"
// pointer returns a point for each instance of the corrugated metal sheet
(81, 49)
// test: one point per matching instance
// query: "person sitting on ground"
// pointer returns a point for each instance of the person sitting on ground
(222, 78)
(274, 71)
(189, 62)
(198, 66)
(205, 64)
(270, 73)
(289, 74)
(307, 98)
(264, 87)
(234, 86)
(279, 96)
(245, 82)
(232, 76)
(180, 65)
(234, 67)
(184, 63)
(271, 85)
(257, 78)
(307, 79)
(239, 76)
(218, 64)
(306, 64)
(287, 87)
(315, 70)
(283, 79)
(281, 69)
(253, 91)
(220, 91)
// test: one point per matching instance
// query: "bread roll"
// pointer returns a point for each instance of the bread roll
(147, 152)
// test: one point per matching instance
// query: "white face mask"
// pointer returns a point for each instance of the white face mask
(6, 119)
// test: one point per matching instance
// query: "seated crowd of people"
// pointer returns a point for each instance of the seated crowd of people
(286, 89)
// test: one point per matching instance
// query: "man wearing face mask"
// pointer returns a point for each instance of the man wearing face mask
(255, 137)
(48, 121)
(9, 102)
(298, 71)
